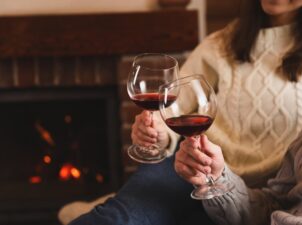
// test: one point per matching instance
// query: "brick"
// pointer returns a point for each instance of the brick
(105, 71)
(46, 71)
(6, 73)
(64, 71)
(123, 94)
(85, 70)
(123, 67)
(26, 72)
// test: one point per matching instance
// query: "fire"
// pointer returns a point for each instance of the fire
(45, 134)
(75, 173)
(68, 171)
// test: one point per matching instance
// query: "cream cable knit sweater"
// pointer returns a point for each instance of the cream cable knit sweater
(260, 112)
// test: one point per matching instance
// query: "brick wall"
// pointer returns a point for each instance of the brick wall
(57, 72)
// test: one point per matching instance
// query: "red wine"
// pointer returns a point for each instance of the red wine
(150, 101)
(189, 125)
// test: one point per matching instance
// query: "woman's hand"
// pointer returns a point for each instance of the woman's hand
(146, 132)
(196, 158)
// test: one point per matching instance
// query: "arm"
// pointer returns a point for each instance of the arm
(205, 60)
(276, 202)
(242, 205)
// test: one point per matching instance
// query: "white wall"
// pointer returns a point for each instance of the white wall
(30, 7)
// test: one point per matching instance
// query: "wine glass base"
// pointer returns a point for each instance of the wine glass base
(149, 155)
(210, 191)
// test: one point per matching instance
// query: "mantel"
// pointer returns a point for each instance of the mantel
(98, 34)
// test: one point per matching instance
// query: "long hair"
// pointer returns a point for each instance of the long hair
(252, 19)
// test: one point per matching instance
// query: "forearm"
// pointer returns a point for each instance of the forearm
(240, 206)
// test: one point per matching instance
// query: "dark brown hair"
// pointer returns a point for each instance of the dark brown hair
(252, 19)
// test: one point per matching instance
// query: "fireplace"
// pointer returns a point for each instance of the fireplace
(65, 114)
(58, 145)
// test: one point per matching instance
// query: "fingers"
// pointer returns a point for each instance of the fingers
(192, 164)
(196, 158)
(208, 147)
(143, 133)
(190, 150)
(183, 159)
(145, 118)
(188, 174)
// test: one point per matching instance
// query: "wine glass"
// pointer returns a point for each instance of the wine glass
(148, 72)
(183, 117)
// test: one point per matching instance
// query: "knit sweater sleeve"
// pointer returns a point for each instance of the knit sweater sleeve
(240, 206)
(248, 206)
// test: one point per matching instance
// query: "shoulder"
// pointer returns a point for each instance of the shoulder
(217, 41)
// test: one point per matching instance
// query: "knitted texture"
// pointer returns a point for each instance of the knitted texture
(278, 203)
(259, 111)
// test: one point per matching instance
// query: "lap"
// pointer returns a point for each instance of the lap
(153, 195)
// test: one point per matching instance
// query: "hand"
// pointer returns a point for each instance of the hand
(197, 157)
(146, 132)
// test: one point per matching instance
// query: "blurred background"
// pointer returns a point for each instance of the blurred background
(64, 111)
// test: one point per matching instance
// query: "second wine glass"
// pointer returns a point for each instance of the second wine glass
(191, 115)
(148, 72)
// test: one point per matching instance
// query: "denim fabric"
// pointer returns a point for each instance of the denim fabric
(154, 195)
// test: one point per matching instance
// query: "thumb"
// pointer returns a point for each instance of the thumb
(208, 147)
(146, 118)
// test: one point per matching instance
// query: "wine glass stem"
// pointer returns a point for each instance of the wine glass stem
(209, 179)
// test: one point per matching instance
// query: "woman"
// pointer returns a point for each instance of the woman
(254, 65)
(256, 122)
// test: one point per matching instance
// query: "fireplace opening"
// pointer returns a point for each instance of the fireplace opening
(57, 145)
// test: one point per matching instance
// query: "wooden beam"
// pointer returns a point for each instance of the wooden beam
(98, 34)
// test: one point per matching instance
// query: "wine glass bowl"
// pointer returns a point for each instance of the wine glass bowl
(148, 72)
(190, 115)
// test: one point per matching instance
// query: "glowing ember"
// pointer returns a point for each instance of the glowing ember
(35, 179)
(68, 171)
(47, 159)
(65, 171)
(75, 173)
(45, 134)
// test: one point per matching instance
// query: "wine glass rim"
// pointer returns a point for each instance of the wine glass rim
(188, 78)
(153, 54)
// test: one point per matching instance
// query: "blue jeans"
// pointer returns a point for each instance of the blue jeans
(154, 195)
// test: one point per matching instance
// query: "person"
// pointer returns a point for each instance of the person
(254, 65)
(280, 201)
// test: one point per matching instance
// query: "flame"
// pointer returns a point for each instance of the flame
(35, 179)
(75, 173)
(47, 159)
(68, 171)
(45, 135)
(65, 172)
